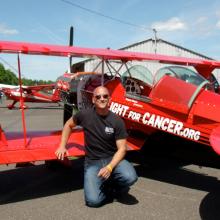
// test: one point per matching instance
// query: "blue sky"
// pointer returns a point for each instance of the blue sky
(192, 24)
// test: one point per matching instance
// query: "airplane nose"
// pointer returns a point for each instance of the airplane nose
(215, 140)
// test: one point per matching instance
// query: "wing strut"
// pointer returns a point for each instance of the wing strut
(22, 102)
(103, 69)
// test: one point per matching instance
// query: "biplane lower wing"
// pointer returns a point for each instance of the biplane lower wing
(41, 145)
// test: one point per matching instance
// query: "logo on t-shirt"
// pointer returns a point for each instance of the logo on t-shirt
(109, 130)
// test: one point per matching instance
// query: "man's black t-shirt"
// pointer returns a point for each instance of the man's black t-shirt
(101, 132)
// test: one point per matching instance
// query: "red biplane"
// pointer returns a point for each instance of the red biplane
(38, 93)
(176, 100)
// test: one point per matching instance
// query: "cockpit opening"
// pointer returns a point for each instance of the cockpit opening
(137, 80)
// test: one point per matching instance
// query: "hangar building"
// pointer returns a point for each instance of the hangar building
(158, 46)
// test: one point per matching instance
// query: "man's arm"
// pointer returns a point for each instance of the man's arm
(105, 172)
(67, 129)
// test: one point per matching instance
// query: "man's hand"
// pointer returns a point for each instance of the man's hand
(105, 172)
(67, 129)
(61, 152)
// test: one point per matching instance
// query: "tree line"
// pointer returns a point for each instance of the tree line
(8, 77)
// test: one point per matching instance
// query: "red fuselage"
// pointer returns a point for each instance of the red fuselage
(172, 106)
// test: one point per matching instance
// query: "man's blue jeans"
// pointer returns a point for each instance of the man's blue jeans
(96, 189)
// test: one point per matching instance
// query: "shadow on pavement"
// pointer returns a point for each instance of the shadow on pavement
(39, 181)
(173, 172)
(210, 206)
(168, 161)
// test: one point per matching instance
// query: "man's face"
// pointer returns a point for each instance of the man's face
(101, 98)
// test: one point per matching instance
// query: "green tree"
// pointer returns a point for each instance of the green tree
(8, 77)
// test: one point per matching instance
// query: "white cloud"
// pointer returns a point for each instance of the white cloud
(6, 30)
(217, 13)
(202, 26)
(172, 24)
(218, 24)
(201, 20)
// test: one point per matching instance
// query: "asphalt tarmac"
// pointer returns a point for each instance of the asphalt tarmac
(181, 182)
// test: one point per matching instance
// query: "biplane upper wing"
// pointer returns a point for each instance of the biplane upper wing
(108, 54)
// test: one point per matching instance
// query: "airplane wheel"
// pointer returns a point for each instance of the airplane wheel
(10, 107)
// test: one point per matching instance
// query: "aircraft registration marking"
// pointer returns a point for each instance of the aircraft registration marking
(156, 121)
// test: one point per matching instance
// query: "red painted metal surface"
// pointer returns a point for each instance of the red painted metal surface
(42, 145)
(215, 140)
(205, 66)
(3, 140)
(165, 106)
(22, 103)
(31, 94)
(166, 93)
(208, 105)
(167, 109)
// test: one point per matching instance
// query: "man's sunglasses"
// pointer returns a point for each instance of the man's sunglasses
(105, 96)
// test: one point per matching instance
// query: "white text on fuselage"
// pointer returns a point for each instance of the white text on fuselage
(156, 121)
